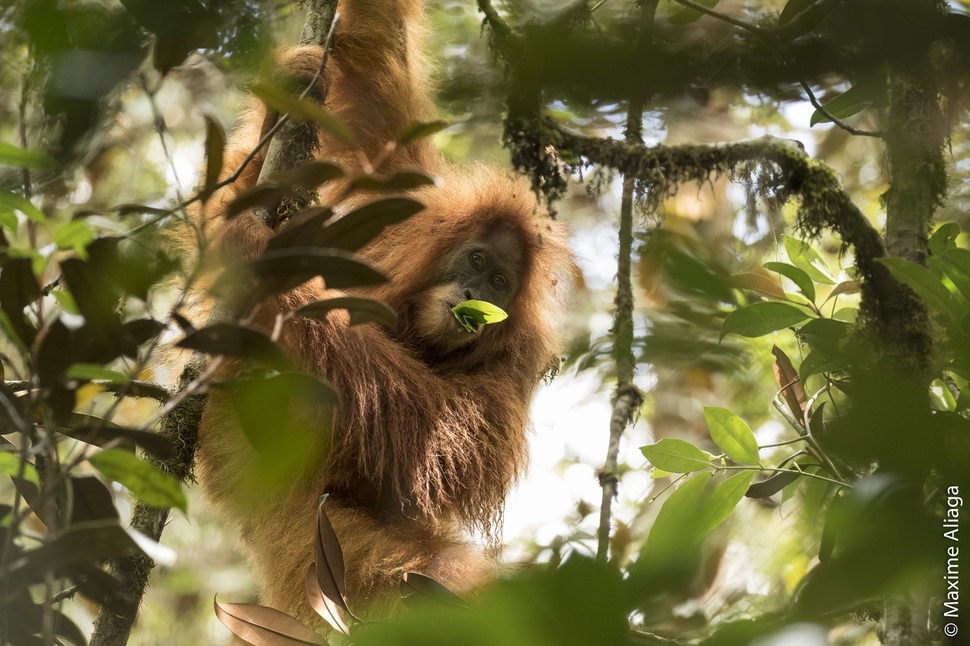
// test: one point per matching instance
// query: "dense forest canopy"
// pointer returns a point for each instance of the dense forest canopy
(771, 326)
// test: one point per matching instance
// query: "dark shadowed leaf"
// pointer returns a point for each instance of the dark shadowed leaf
(262, 626)
(99, 586)
(90, 500)
(400, 181)
(772, 485)
(283, 269)
(786, 378)
(84, 543)
(98, 431)
(818, 362)
(146, 482)
(302, 110)
(418, 130)
(18, 289)
(138, 209)
(265, 194)
(301, 230)
(11, 155)
(142, 330)
(236, 341)
(956, 265)
(676, 456)
(763, 318)
(732, 435)
(361, 310)
(357, 228)
(688, 15)
(792, 9)
(215, 145)
(334, 614)
(418, 589)
(12, 414)
(802, 280)
(826, 335)
(309, 175)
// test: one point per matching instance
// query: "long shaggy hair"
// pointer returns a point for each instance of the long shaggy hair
(425, 444)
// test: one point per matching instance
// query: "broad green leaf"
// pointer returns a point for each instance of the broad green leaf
(418, 130)
(732, 435)
(10, 465)
(763, 318)
(955, 263)
(826, 335)
(817, 362)
(66, 301)
(815, 492)
(22, 204)
(9, 220)
(792, 9)
(807, 259)
(847, 314)
(858, 97)
(145, 481)
(922, 281)
(302, 110)
(796, 275)
(944, 238)
(845, 287)
(92, 371)
(656, 473)
(474, 314)
(75, 235)
(723, 500)
(677, 526)
(676, 456)
(11, 155)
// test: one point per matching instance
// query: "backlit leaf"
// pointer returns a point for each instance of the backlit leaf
(732, 435)
(676, 456)
(302, 110)
(803, 256)
(758, 283)
(474, 314)
(22, 204)
(801, 279)
(145, 481)
(17, 157)
(418, 130)
(10, 465)
(858, 97)
(926, 285)
(92, 372)
(722, 501)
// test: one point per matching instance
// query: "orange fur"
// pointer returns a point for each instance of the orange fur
(424, 445)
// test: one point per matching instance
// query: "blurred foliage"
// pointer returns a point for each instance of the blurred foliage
(756, 516)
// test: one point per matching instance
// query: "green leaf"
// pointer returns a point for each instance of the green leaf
(11, 155)
(9, 220)
(826, 335)
(676, 528)
(723, 500)
(22, 204)
(676, 456)
(302, 110)
(474, 314)
(758, 283)
(858, 97)
(10, 465)
(818, 362)
(926, 285)
(763, 318)
(801, 279)
(792, 9)
(815, 492)
(235, 340)
(145, 481)
(92, 371)
(807, 259)
(418, 130)
(361, 310)
(75, 235)
(689, 15)
(944, 238)
(955, 263)
(732, 435)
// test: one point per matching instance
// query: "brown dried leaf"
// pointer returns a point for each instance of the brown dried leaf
(415, 586)
(323, 605)
(263, 626)
(758, 283)
(791, 388)
(330, 561)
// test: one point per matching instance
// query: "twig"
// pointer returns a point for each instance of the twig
(133, 388)
(747, 26)
(834, 119)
